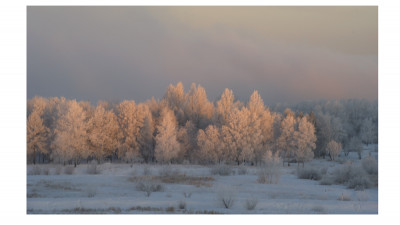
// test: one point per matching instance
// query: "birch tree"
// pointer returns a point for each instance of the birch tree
(130, 120)
(333, 149)
(71, 134)
(305, 141)
(225, 106)
(146, 140)
(36, 136)
(167, 146)
(367, 131)
(104, 133)
(176, 98)
(198, 109)
(210, 145)
(286, 141)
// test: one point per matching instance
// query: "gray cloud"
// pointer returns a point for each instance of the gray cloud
(116, 53)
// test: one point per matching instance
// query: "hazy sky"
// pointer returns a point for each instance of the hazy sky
(288, 54)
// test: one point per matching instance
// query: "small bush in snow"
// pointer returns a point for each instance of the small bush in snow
(149, 187)
(344, 197)
(187, 194)
(370, 165)
(251, 203)
(182, 205)
(309, 173)
(359, 182)
(92, 168)
(227, 198)
(352, 177)
(242, 170)
(222, 170)
(69, 170)
(227, 201)
(269, 173)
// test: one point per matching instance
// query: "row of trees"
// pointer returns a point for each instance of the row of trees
(180, 127)
(350, 122)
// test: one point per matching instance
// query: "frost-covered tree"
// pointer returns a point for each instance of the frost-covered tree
(190, 140)
(176, 99)
(198, 109)
(71, 134)
(225, 106)
(262, 119)
(146, 141)
(167, 147)
(210, 145)
(333, 149)
(328, 128)
(286, 141)
(242, 135)
(104, 133)
(130, 120)
(36, 136)
(367, 132)
(305, 141)
(354, 145)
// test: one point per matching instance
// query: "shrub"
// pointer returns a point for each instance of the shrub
(149, 187)
(222, 170)
(69, 170)
(309, 173)
(187, 194)
(352, 177)
(268, 175)
(333, 149)
(370, 165)
(269, 172)
(359, 183)
(92, 168)
(227, 199)
(182, 205)
(344, 197)
(251, 203)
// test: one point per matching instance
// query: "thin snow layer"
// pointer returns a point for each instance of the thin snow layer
(114, 190)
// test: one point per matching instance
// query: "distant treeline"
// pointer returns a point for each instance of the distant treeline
(185, 127)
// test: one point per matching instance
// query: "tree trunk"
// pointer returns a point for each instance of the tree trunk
(34, 156)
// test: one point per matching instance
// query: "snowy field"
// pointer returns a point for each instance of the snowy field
(190, 189)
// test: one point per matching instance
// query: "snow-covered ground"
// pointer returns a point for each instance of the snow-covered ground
(115, 190)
